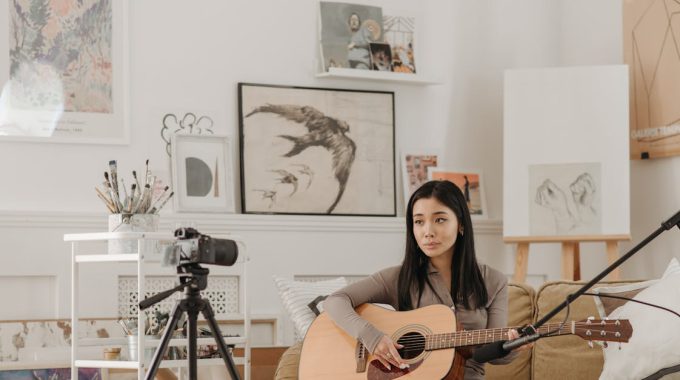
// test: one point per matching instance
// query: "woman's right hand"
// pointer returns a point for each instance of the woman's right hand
(386, 352)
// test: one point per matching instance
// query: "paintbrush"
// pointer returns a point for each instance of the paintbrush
(156, 210)
(114, 197)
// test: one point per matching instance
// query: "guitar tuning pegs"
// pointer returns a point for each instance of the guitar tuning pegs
(617, 322)
(589, 320)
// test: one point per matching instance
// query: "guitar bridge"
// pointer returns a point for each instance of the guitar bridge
(361, 357)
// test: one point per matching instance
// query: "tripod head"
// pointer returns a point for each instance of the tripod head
(192, 277)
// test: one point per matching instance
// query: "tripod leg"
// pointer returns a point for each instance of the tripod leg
(192, 348)
(165, 340)
(224, 350)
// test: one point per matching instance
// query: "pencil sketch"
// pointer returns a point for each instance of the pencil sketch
(287, 177)
(566, 199)
(268, 194)
(324, 151)
(305, 170)
(323, 131)
(189, 124)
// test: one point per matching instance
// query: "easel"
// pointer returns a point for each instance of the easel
(571, 260)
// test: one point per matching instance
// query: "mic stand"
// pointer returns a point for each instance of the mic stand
(665, 226)
(193, 279)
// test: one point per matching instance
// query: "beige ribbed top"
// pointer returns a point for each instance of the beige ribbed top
(381, 287)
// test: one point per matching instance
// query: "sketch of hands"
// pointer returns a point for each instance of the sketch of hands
(583, 193)
(573, 212)
(549, 195)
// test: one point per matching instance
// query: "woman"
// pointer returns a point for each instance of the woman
(439, 267)
(357, 50)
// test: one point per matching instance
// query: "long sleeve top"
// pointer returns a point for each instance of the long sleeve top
(381, 287)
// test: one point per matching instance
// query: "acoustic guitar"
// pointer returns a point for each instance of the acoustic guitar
(429, 344)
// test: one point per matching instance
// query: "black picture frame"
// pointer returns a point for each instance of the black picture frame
(316, 151)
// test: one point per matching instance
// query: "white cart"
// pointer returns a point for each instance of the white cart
(143, 259)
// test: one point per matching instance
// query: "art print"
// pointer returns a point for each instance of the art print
(316, 151)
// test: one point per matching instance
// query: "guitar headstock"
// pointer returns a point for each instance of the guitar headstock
(605, 330)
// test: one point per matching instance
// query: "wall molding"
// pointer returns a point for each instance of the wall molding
(229, 223)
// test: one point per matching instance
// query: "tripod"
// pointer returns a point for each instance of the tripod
(193, 278)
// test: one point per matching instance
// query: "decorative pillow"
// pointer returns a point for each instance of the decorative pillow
(606, 305)
(656, 333)
(296, 296)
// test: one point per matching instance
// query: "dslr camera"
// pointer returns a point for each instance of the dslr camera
(192, 247)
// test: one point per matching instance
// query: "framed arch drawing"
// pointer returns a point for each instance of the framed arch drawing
(201, 173)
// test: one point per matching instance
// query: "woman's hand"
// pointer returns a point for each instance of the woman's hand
(513, 334)
(386, 352)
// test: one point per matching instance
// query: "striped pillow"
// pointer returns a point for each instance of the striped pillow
(296, 296)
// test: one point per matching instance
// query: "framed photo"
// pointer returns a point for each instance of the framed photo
(64, 70)
(316, 151)
(470, 183)
(400, 33)
(201, 173)
(414, 170)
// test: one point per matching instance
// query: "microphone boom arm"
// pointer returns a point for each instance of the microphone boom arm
(665, 226)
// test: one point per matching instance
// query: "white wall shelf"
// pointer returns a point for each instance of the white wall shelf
(384, 76)
(141, 258)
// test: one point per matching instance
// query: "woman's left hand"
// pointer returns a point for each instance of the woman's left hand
(513, 334)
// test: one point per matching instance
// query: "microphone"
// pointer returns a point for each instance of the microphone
(497, 350)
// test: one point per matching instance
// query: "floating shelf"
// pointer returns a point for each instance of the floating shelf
(384, 76)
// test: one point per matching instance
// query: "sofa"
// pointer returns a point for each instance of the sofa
(562, 357)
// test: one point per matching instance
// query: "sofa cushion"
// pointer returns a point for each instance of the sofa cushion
(289, 363)
(565, 354)
(521, 299)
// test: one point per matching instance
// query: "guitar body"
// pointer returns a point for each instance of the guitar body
(329, 353)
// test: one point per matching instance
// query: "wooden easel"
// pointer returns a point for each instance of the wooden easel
(571, 261)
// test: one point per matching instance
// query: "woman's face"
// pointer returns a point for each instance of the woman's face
(354, 22)
(435, 227)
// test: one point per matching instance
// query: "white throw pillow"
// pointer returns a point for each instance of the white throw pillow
(656, 333)
(296, 296)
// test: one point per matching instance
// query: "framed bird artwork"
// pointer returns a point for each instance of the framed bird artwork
(316, 151)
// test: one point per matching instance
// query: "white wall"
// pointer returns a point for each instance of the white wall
(189, 56)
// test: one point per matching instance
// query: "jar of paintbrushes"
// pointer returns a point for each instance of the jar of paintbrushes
(135, 210)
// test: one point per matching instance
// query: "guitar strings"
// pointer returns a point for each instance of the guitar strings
(463, 337)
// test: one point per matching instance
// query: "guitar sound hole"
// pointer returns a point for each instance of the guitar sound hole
(414, 345)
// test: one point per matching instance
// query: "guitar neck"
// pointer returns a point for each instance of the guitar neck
(477, 337)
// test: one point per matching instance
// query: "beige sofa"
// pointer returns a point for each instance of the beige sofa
(563, 357)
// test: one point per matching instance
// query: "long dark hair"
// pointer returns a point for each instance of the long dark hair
(467, 284)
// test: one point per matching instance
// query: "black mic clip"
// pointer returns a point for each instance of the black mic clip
(512, 344)
(502, 348)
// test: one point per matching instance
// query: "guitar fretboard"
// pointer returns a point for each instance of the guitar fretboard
(476, 337)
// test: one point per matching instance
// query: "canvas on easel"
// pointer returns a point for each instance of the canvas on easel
(566, 160)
